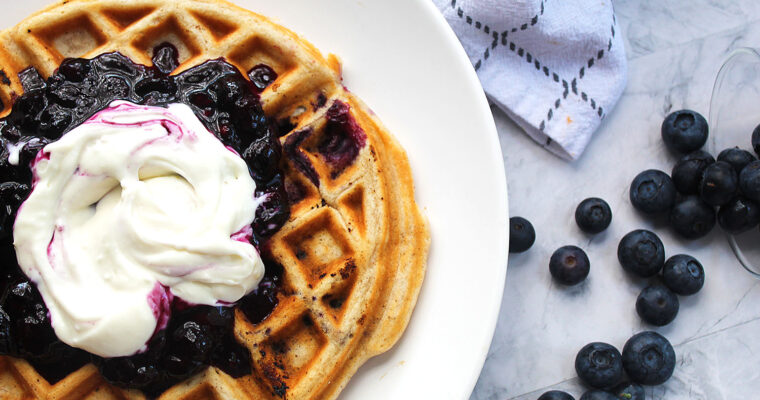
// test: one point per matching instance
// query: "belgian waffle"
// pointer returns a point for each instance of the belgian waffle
(355, 246)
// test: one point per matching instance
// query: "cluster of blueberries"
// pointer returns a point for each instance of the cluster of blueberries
(698, 192)
(698, 184)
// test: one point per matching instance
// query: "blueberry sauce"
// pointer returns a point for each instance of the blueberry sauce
(228, 105)
(338, 146)
(342, 140)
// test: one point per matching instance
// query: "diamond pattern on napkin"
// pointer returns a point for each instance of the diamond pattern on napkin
(555, 67)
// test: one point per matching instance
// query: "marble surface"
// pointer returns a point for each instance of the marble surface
(675, 49)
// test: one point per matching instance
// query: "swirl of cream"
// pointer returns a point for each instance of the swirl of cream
(136, 205)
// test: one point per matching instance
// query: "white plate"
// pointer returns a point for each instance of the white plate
(403, 60)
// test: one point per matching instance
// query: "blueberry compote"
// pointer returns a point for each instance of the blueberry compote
(228, 104)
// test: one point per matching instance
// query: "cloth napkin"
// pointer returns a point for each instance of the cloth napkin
(556, 67)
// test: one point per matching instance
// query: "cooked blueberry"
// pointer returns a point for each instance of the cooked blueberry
(13, 193)
(684, 131)
(648, 358)
(569, 265)
(166, 58)
(6, 221)
(756, 140)
(30, 150)
(272, 213)
(641, 252)
(262, 158)
(30, 324)
(232, 358)
(31, 80)
(687, 173)
(27, 109)
(258, 304)
(749, 180)
(53, 121)
(203, 102)
(599, 365)
(190, 340)
(116, 63)
(556, 395)
(60, 360)
(229, 89)
(596, 394)
(262, 76)
(629, 391)
(692, 218)
(139, 371)
(652, 192)
(116, 86)
(205, 73)
(657, 305)
(162, 85)
(74, 69)
(65, 93)
(7, 346)
(521, 235)
(719, 183)
(739, 215)
(737, 157)
(683, 274)
(593, 215)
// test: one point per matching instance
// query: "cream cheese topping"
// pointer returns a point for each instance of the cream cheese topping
(136, 205)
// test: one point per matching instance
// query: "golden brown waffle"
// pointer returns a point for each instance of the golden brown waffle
(355, 247)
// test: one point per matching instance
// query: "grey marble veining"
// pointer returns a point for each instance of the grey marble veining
(542, 325)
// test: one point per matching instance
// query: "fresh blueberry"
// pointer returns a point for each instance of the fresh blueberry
(629, 391)
(756, 140)
(687, 173)
(599, 365)
(641, 252)
(749, 180)
(657, 305)
(684, 131)
(556, 395)
(652, 192)
(596, 394)
(648, 358)
(719, 183)
(521, 235)
(692, 218)
(569, 265)
(593, 215)
(683, 274)
(737, 157)
(739, 215)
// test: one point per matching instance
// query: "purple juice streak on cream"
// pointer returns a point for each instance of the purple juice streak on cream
(160, 301)
(51, 247)
(243, 235)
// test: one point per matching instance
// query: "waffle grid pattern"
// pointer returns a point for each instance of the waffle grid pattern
(354, 249)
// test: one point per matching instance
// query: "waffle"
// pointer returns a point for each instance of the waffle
(355, 247)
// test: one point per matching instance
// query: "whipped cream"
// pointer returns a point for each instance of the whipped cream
(133, 207)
